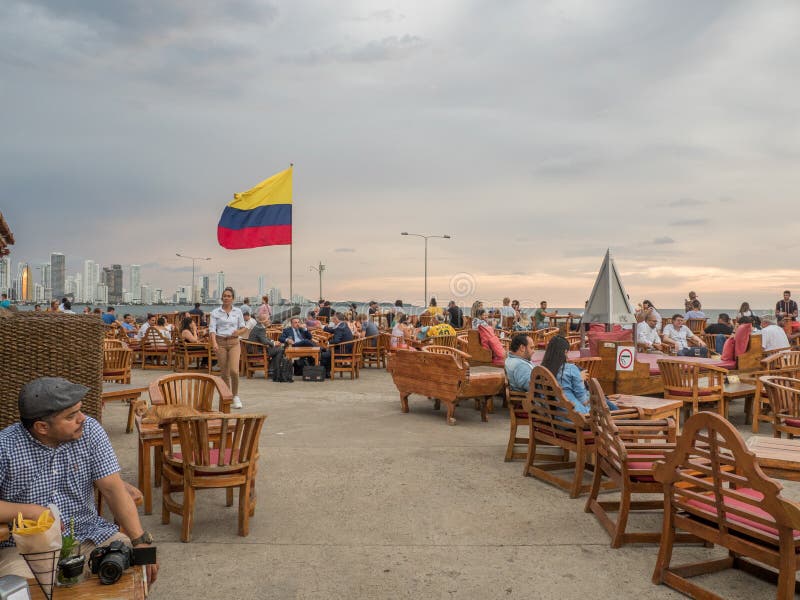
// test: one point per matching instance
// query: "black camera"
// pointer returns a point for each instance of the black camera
(109, 562)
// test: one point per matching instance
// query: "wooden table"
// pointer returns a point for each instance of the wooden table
(778, 457)
(651, 408)
(129, 587)
(731, 391)
(292, 352)
(122, 392)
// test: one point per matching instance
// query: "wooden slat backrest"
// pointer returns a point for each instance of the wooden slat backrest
(606, 434)
(195, 389)
(450, 341)
(783, 393)
(462, 358)
(784, 359)
(683, 377)
(242, 431)
(590, 364)
(117, 358)
(427, 319)
(696, 325)
(507, 322)
(709, 465)
(154, 340)
(548, 408)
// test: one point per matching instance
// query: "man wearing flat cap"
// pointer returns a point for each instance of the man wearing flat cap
(55, 455)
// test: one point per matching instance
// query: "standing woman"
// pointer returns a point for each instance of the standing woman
(227, 324)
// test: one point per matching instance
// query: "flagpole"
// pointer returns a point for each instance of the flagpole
(291, 261)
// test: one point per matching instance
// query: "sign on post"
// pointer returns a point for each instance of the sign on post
(625, 358)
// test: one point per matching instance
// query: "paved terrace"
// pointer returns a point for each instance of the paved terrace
(357, 500)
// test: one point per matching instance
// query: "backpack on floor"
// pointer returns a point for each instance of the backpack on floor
(284, 371)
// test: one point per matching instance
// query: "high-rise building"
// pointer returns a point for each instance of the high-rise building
(204, 283)
(69, 286)
(220, 285)
(78, 286)
(58, 267)
(274, 296)
(262, 286)
(89, 285)
(135, 285)
(146, 294)
(5, 274)
(25, 282)
(102, 293)
(114, 283)
(158, 296)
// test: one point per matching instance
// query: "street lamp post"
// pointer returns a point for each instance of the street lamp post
(319, 269)
(194, 260)
(426, 238)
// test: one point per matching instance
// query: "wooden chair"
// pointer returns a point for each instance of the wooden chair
(574, 341)
(541, 337)
(197, 466)
(156, 346)
(195, 389)
(696, 325)
(255, 357)
(625, 454)
(111, 343)
(590, 364)
(784, 363)
(517, 416)
(346, 357)
(784, 398)
(117, 363)
(682, 382)
(714, 489)
(376, 354)
(451, 341)
(553, 421)
(427, 319)
(186, 353)
(710, 340)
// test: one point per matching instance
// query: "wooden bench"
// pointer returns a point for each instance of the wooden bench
(479, 356)
(443, 377)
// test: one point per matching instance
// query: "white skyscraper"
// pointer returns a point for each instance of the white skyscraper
(102, 293)
(5, 275)
(220, 284)
(146, 294)
(78, 287)
(97, 270)
(274, 296)
(88, 279)
(262, 286)
(135, 284)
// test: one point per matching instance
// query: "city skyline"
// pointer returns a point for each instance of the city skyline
(663, 130)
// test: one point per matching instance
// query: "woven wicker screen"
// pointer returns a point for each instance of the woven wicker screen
(49, 345)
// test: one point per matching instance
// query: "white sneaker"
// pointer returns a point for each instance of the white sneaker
(237, 402)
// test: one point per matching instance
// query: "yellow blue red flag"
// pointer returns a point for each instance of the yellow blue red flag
(261, 216)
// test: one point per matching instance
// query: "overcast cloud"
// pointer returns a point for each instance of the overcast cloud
(536, 134)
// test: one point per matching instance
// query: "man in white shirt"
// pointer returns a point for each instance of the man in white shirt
(151, 322)
(647, 338)
(773, 336)
(678, 335)
(250, 323)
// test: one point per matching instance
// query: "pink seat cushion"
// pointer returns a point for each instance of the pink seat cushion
(646, 464)
(742, 338)
(744, 507)
(728, 351)
(792, 422)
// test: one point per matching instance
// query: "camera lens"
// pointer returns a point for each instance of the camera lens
(111, 567)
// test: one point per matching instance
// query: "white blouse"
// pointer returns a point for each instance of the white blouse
(225, 324)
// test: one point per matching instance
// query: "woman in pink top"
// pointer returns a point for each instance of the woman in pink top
(264, 310)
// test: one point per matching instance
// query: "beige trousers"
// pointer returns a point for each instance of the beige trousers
(228, 361)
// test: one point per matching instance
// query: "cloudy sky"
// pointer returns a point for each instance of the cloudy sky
(536, 134)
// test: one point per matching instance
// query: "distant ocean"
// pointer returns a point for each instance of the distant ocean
(141, 310)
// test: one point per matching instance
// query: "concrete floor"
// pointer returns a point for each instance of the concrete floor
(357, 500)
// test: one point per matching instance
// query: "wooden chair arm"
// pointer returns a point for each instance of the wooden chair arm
(254, 343)
(225, 395)
(621, 413)
(721, 370)
(155, 393)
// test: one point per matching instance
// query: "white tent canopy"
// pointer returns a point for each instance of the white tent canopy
(608, 302)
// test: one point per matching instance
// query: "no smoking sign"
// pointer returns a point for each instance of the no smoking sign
(625, 358)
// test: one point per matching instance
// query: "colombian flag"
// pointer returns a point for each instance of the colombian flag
(261, 216)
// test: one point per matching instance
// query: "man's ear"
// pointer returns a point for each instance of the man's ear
(41, 427)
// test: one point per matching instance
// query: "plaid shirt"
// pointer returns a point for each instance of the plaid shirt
(32, 473)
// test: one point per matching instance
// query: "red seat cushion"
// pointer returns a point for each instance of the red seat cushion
(744, 507)
(792, 422)
(642, 466)
(491, 342)
(727, 350)
(520, 414)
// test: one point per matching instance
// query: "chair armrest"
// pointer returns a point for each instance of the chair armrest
(155, 393)
(622, 413)
(713, 368)
(225, 395)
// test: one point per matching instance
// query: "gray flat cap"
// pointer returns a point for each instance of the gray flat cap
(47, 395)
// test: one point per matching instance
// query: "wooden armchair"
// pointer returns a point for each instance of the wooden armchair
(626, 452)
(553, 421)
(682, 382)
(196, 389)
(186, 353)
(517, 416)
(696, 325)
(156, 346)
(784, 398)
(346, 357)
(451, 341)
(714, 489)
(375, 353)
(117, 364)
(541, 337)
(255, 357)
(590, 364)
(197, 466)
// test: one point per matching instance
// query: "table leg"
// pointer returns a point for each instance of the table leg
(756, 411)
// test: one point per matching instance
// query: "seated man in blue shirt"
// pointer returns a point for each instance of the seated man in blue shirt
(296, 335)
(109, 317)
(518, 362)
(57, 455)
